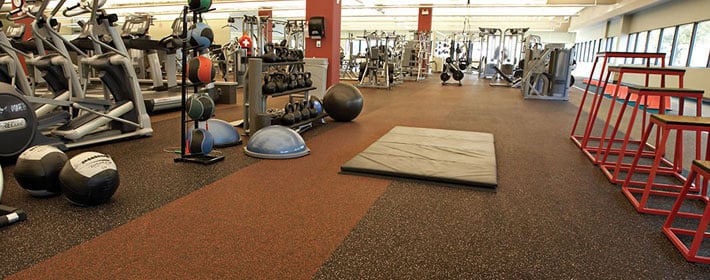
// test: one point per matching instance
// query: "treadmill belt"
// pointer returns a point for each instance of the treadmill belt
(447, 156)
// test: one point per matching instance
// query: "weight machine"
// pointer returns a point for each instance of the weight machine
(415, 58)
(254, 27)
(547, 70)
(295, 35)
(491, 41)
(382, 67)
(349, 67)
(511, 49)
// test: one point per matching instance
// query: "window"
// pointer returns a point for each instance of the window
(610, 43)
(583, 52)
(666, 45)
(593, 49)
(653, 36)
(630, 46)
(682, 45)
(701, 45)
(600, 43)
(640, 45)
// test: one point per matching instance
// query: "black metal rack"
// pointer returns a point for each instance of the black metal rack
(184, 155)
(255, 99)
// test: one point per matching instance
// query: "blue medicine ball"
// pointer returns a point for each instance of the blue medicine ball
(200, 142)
(201, 36)
(317, 104)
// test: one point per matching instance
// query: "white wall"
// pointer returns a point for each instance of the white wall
(591, 32)
(555, 37)
(672, 13)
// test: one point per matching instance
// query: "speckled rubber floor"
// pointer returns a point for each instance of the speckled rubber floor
(554, 215)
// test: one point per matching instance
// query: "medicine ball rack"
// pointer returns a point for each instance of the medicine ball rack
(255, 98)
(184, 155)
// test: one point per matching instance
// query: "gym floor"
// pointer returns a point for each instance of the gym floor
(554, 215)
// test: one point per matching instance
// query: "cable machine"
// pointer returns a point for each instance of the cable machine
(349, 67)
(415, 58)
(382, 61)
(491, 41)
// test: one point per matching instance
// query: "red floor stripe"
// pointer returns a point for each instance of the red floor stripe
(242, 226)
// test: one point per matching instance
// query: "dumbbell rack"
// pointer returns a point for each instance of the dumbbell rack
(184, 156)
(255, 99)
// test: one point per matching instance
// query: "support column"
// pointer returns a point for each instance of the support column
(329, 45)
(424, 19)
(424, 26)
(268, 31)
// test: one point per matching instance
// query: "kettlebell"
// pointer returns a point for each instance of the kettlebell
(300, 81)
(297, 112)
(312, 108)
(305, 113)
(269, 55)
(292, 81)
(307, 77)
(284, 53)
(269, 86)
(281, 83)
(292, 55)
(288, 118)
(278, 54)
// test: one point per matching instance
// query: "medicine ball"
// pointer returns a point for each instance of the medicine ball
(200, 107)
(201, 36)
(199, 5)
(200, 142)
(200, 70)
(89, 178)
(343, 102)
(317, 104)
(37, 170)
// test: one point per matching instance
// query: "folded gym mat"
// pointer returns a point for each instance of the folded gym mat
(449, 156)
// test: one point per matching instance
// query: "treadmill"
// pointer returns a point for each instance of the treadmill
(164, 94)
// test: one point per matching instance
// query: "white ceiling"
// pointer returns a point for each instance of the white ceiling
(398, 15)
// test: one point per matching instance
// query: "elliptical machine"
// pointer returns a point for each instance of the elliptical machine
(451, 71)
(120, 114)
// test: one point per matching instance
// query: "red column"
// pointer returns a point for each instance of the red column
(329, 44)
(424, 19)
(269, 26)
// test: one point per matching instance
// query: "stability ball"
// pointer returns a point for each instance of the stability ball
(343, 102)
(37, 170)
(89, 178)
(223, 133)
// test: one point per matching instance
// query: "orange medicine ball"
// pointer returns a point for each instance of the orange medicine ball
(200, 70)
